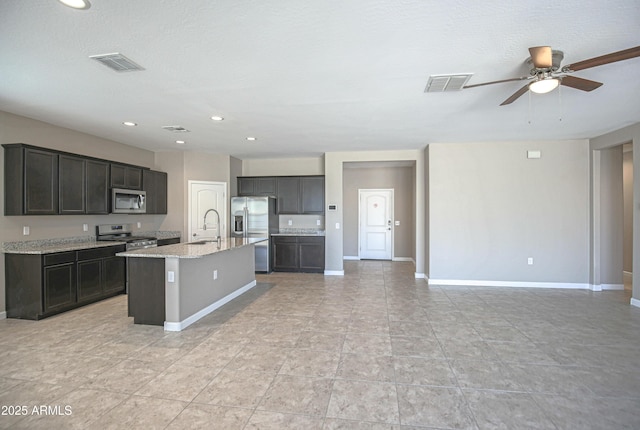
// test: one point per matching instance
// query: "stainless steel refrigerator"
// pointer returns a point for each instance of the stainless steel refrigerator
(255, 217)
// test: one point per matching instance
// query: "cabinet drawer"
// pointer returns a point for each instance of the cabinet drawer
(59, 258)
(285, 239)
(311, 239)
(92, 254)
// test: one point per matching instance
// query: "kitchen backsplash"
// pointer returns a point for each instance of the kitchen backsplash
(307, 222)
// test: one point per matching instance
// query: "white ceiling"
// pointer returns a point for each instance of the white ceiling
(308, 77)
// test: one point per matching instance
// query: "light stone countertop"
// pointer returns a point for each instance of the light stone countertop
(192, 249)
(299, 232)
(74, 243)
(51, 246)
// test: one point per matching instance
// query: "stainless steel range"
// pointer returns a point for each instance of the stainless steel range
(124, 233)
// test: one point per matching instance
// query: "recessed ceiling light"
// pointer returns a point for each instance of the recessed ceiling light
(130, 124)
(217, 118)
(180, 142)
(76, 4)
(251, 138)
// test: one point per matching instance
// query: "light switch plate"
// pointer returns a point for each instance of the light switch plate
(337, 226)
(290, 222)
(171, 276)
(26, 230)
(85, 227)
(530, 261)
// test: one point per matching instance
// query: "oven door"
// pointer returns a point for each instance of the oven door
(128, 201)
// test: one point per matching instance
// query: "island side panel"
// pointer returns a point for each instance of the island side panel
(146, 290)
(198, 289)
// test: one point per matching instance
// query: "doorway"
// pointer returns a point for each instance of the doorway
(204, 195)
(375, 214)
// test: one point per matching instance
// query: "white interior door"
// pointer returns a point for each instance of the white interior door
(376, 224)
(202, 197)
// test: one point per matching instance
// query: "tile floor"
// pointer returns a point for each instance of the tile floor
(375, 349)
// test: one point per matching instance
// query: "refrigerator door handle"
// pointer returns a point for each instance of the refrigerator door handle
(246, 222)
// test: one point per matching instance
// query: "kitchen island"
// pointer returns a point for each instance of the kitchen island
(176, 285)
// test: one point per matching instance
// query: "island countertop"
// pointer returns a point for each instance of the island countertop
(193, 249)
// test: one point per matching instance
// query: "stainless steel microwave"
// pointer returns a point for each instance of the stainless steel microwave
(128, 201)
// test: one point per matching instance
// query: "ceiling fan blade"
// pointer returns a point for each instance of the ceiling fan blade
(580, 83)
(605, 59)
(515, 96)
(541, 57)
(497, 82)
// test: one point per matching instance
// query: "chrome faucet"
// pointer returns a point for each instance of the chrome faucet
(204, 227)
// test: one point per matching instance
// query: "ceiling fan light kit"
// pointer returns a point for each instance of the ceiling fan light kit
(544, 86)
(546, 74)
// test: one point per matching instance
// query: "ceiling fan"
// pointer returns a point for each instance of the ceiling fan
(546, 73)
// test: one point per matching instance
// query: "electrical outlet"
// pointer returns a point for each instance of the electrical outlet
(318, 222)
(530, 261)
(290, 222)
(85, 227)
(397, 223)
(26, 230)
(215, 275)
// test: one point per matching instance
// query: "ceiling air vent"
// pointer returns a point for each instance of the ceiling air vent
(442, 83)
(176, 128)
(117, 62)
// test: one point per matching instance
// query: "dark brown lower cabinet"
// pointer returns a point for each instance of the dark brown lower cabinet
(59, 287)
(89, 279)
(38, 286)
(146, 290)
(298, 254)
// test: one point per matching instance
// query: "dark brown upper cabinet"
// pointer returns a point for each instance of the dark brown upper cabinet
(97, 193)
(155, 185)
(301, 195)
(40, 181)
(312, 195)
(288, 194)
(123, 176)
(257, 186)
(72, 184)
(30, 181)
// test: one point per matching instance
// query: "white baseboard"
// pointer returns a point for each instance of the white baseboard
(3, 315)
(334, 272)
(179, 326)
(420, 275)
(635, 302)
(516, 284)
(403, 259)
(351, 257)
(612, 287)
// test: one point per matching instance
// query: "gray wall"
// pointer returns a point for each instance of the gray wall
(491, 208)
(627, 184)
(401, 180)
(283, 166)
(630, 134)
(611, 216)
